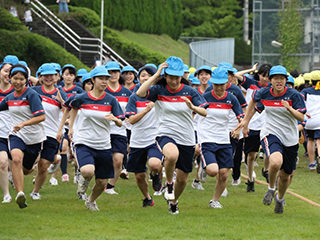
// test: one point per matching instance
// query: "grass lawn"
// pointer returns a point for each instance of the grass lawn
(60, 215)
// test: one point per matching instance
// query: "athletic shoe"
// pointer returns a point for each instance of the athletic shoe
(202, 175)
(35, 196)
(318, 164)
(196, 185)
(256, 164)
(312, 166)
(124, 174)
(110, 191)
(225, 193)
(7, 199)
(21, 200)
(156, 182)
(83, 184)
(215, 204)
(254, 176)
(278, 208)
(65, 177)
(147, 202)
(82, 196)
(236, 182)
(265, 174)
(250, 186)
(297, 160)
(173, 208)
(268, 197)
(159, 193)
(11, 179)
(53, 167)
(169, 193)
(76, 177)
(261, 155)
(92, 206)
(53, 181)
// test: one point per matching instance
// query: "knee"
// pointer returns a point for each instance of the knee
(181, 180)
(3, 165)
(171, 157)
(212, 172)
(101, 183)
(223, 177)
(43, 166)
(155, 164)
(140, 177)
(87, 172)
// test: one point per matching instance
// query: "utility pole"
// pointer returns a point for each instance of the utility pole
(101, 30)
(246, 21)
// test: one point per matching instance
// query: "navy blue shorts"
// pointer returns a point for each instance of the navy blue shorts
(101, 159)
(186, 153)
(31, 152)
(216, 153)
(196, 135)
(50, 149)
(128, 135)
(313, 134)
(252, 142)
(4, 145)
(272, 143)
(118, 144)
(234, 143)
(66, 137)
(138, 158)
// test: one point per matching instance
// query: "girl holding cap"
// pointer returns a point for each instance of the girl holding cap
(175, 102)
(93, 151)
(27, 134)
(283, 106)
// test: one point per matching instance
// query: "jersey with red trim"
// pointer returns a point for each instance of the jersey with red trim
(122, 94)
(52, 108)
(143, 133)
(174, 116)
(93, 130)
(23, 107)
(5, 125)
(197, 117)
(132, 88)
(312, 99)
(279, 121)
(73, 90)
(214, 127)
(251, 85)
(67, 105)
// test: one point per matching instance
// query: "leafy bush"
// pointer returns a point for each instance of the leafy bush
(9, 22)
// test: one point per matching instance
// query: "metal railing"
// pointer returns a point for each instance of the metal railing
(80, 44)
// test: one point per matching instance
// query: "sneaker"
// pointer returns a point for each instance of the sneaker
(197, 185)
(159, 193)
(297, 160)
(156, 182)
(278, 208)
(173, 208)
(76, 177)
(318, 164)
(169, 193)
(265, 174)
(35, 196)
(312, 166)
(225, 193)
(202, 175)
(82, 196)
(147, 202)
(21, 200)
(215, 204)
(53, 181)
(11, 179)
(65, 177)
(124, 174)
(250, 186)
(110, 191)
(83, 184)
(253, 173)
(53, 167)
(92, 206)
(7, 199)
(236, 182)
(268, 197)
(261, 155)
(256, 164)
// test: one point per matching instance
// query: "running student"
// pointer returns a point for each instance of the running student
(279, 136)
(27, 132)
(92, 143)
(175, 102)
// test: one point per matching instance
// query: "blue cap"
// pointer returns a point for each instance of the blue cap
(23, 63)
(47, 69)
(290, 80)
(175, 67)
(225, 64)
(81, 72)
(149, 66)
(17, 69)
(193, 79)
(57, 66)
(219, 76)
(128, 69)
(69, 66)
(99, 71)
(204, 67)
(11, 59)
(186, 68)
(275, 70)
(113, 65)
(85, 77)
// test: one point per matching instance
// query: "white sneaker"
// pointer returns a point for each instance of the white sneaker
(124, 174)
(82, 196)
(110, 191)
(163, 173)
(202, 175)
(11, 179)
(83, 184)
(159, 193)
(197, 185)
(225, 193)
(65, 177)
(35, 196)
(7, 199)
(236, 182)
(256, 164)
(169, 193)
(53, 181)
(261, 155)
(215, 204)
(91, 206)
(53, 167)
(21, 200)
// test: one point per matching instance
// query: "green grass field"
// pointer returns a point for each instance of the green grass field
(60, 215)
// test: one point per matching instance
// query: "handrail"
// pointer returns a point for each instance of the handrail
(198, 56)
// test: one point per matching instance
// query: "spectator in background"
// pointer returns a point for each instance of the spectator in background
(63, 6)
